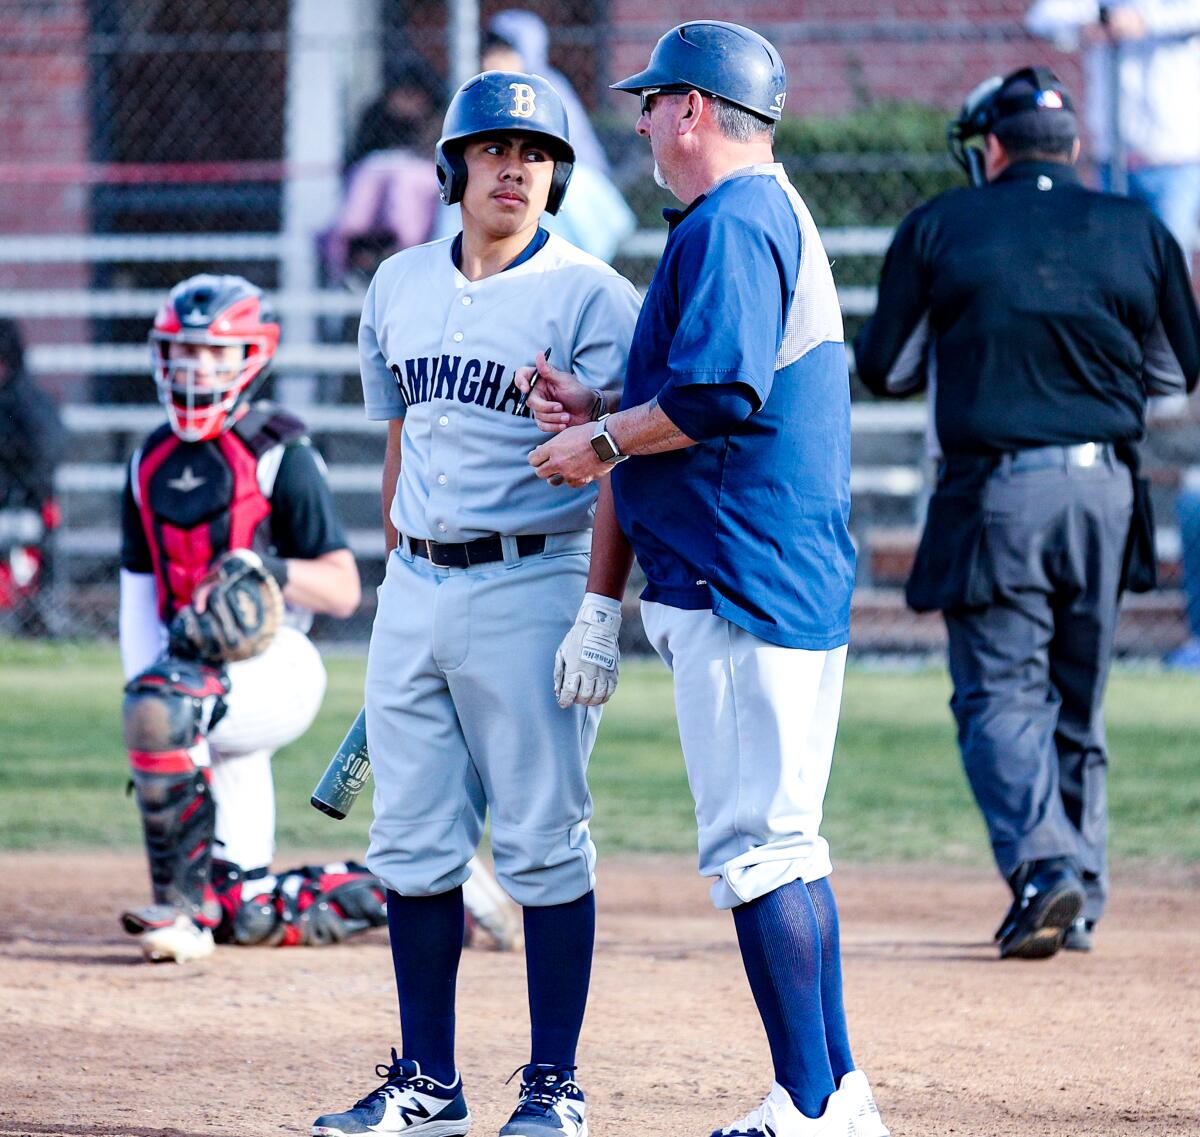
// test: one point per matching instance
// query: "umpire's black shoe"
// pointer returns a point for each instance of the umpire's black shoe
(1050, 898)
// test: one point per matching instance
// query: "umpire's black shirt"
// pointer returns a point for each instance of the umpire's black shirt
(1042, 313)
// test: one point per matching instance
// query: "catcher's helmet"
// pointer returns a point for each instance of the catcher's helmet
(1030, 99)
(717, 58)
(214, 311)
(497, 102)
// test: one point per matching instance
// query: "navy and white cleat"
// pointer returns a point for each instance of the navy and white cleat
(408, 1102)
(551, 1105)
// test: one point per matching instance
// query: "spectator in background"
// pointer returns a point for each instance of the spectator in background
(405, 116)
(391, 194)
(1159, 99)
(33, 445)
(33, 432)
(1159, 93)
(594, 215)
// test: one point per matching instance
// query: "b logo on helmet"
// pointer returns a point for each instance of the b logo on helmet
(523, 100)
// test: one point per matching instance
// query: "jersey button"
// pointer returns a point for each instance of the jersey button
(441, 527)
(443, 421)
(457, 337)
(442, 479)
(466, 300)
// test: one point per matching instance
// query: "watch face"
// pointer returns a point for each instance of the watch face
(602, 444)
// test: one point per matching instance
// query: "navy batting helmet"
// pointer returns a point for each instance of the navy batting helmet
(717, 58)
(497, 102)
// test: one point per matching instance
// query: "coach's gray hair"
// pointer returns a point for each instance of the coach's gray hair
(739, 125)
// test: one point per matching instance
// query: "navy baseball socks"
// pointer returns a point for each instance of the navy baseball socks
(559, 939)
(790, 944)
(423, 1098)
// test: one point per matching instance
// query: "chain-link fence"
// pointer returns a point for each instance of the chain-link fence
(289, 141)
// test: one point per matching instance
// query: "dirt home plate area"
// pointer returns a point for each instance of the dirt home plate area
(256, 1042)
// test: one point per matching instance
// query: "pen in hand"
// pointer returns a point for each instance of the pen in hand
(535, 377)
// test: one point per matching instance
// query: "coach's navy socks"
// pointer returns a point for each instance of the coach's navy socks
(558, 962)
(427, 940)
(837, 1038)
(781, 948)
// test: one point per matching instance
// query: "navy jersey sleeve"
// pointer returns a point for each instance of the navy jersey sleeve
(734, 279)
(135, 549)
(709, 410)
(304, 523)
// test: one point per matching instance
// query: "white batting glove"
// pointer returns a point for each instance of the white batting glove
(587, 661)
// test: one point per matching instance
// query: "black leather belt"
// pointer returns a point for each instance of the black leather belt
(1082, 456)
(482, 551)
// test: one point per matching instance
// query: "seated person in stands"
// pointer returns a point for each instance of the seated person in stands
(33, 445)
(391, 194)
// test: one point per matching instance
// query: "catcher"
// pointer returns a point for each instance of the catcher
(230, 543)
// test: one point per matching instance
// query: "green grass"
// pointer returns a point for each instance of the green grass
(897, 791)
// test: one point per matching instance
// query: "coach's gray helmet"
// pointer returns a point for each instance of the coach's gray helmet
(716, 58)
(498, 102)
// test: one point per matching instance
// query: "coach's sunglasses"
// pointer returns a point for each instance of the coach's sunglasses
(648, 93)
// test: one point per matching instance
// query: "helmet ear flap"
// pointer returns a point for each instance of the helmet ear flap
(451, 175)
(558, 186)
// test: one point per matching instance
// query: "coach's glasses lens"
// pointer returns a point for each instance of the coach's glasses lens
(647, 95)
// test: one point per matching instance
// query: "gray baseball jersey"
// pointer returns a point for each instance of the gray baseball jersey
(461, 718)
(440, 351)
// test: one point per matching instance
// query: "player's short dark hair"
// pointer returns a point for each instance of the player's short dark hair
(739, 125)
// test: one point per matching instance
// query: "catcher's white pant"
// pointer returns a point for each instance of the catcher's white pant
(272, 701)
(461, 717)
(757, 723)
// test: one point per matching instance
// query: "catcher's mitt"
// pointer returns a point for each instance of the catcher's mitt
(241, 617)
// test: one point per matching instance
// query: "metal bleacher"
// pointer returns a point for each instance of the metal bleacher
(889, 477)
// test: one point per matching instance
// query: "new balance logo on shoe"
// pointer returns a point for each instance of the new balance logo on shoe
(407, 1104)
(413, 1111)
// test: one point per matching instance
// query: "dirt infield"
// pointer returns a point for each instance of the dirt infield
(257, 1042)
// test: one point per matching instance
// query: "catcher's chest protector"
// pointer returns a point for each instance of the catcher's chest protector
(200, 499)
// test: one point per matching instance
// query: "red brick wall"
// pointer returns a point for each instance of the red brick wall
(843, 54)
(43, 126)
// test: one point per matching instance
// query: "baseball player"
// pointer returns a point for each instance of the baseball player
(228, 529)
(488, 568)
(735, 497)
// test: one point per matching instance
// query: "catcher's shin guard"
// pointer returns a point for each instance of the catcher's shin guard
(168, 709)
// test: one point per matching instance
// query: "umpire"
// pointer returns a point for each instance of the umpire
(1040, 315)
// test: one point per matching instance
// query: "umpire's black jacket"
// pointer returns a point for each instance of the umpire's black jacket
(1040, 313)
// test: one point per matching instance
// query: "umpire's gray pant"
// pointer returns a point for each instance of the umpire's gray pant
(1029, 669)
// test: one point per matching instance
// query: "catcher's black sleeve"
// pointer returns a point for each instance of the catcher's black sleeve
(135, 549)
(304, 522)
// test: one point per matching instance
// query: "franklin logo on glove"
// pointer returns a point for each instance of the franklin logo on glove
(587, 663)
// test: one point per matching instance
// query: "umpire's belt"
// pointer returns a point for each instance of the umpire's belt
(1082, 456)
(482, 551)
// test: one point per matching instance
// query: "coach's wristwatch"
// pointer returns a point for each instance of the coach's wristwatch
(605, 445)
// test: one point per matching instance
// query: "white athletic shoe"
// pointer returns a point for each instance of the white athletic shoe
(181, 941)
(779, 1117)
(860, 1104)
